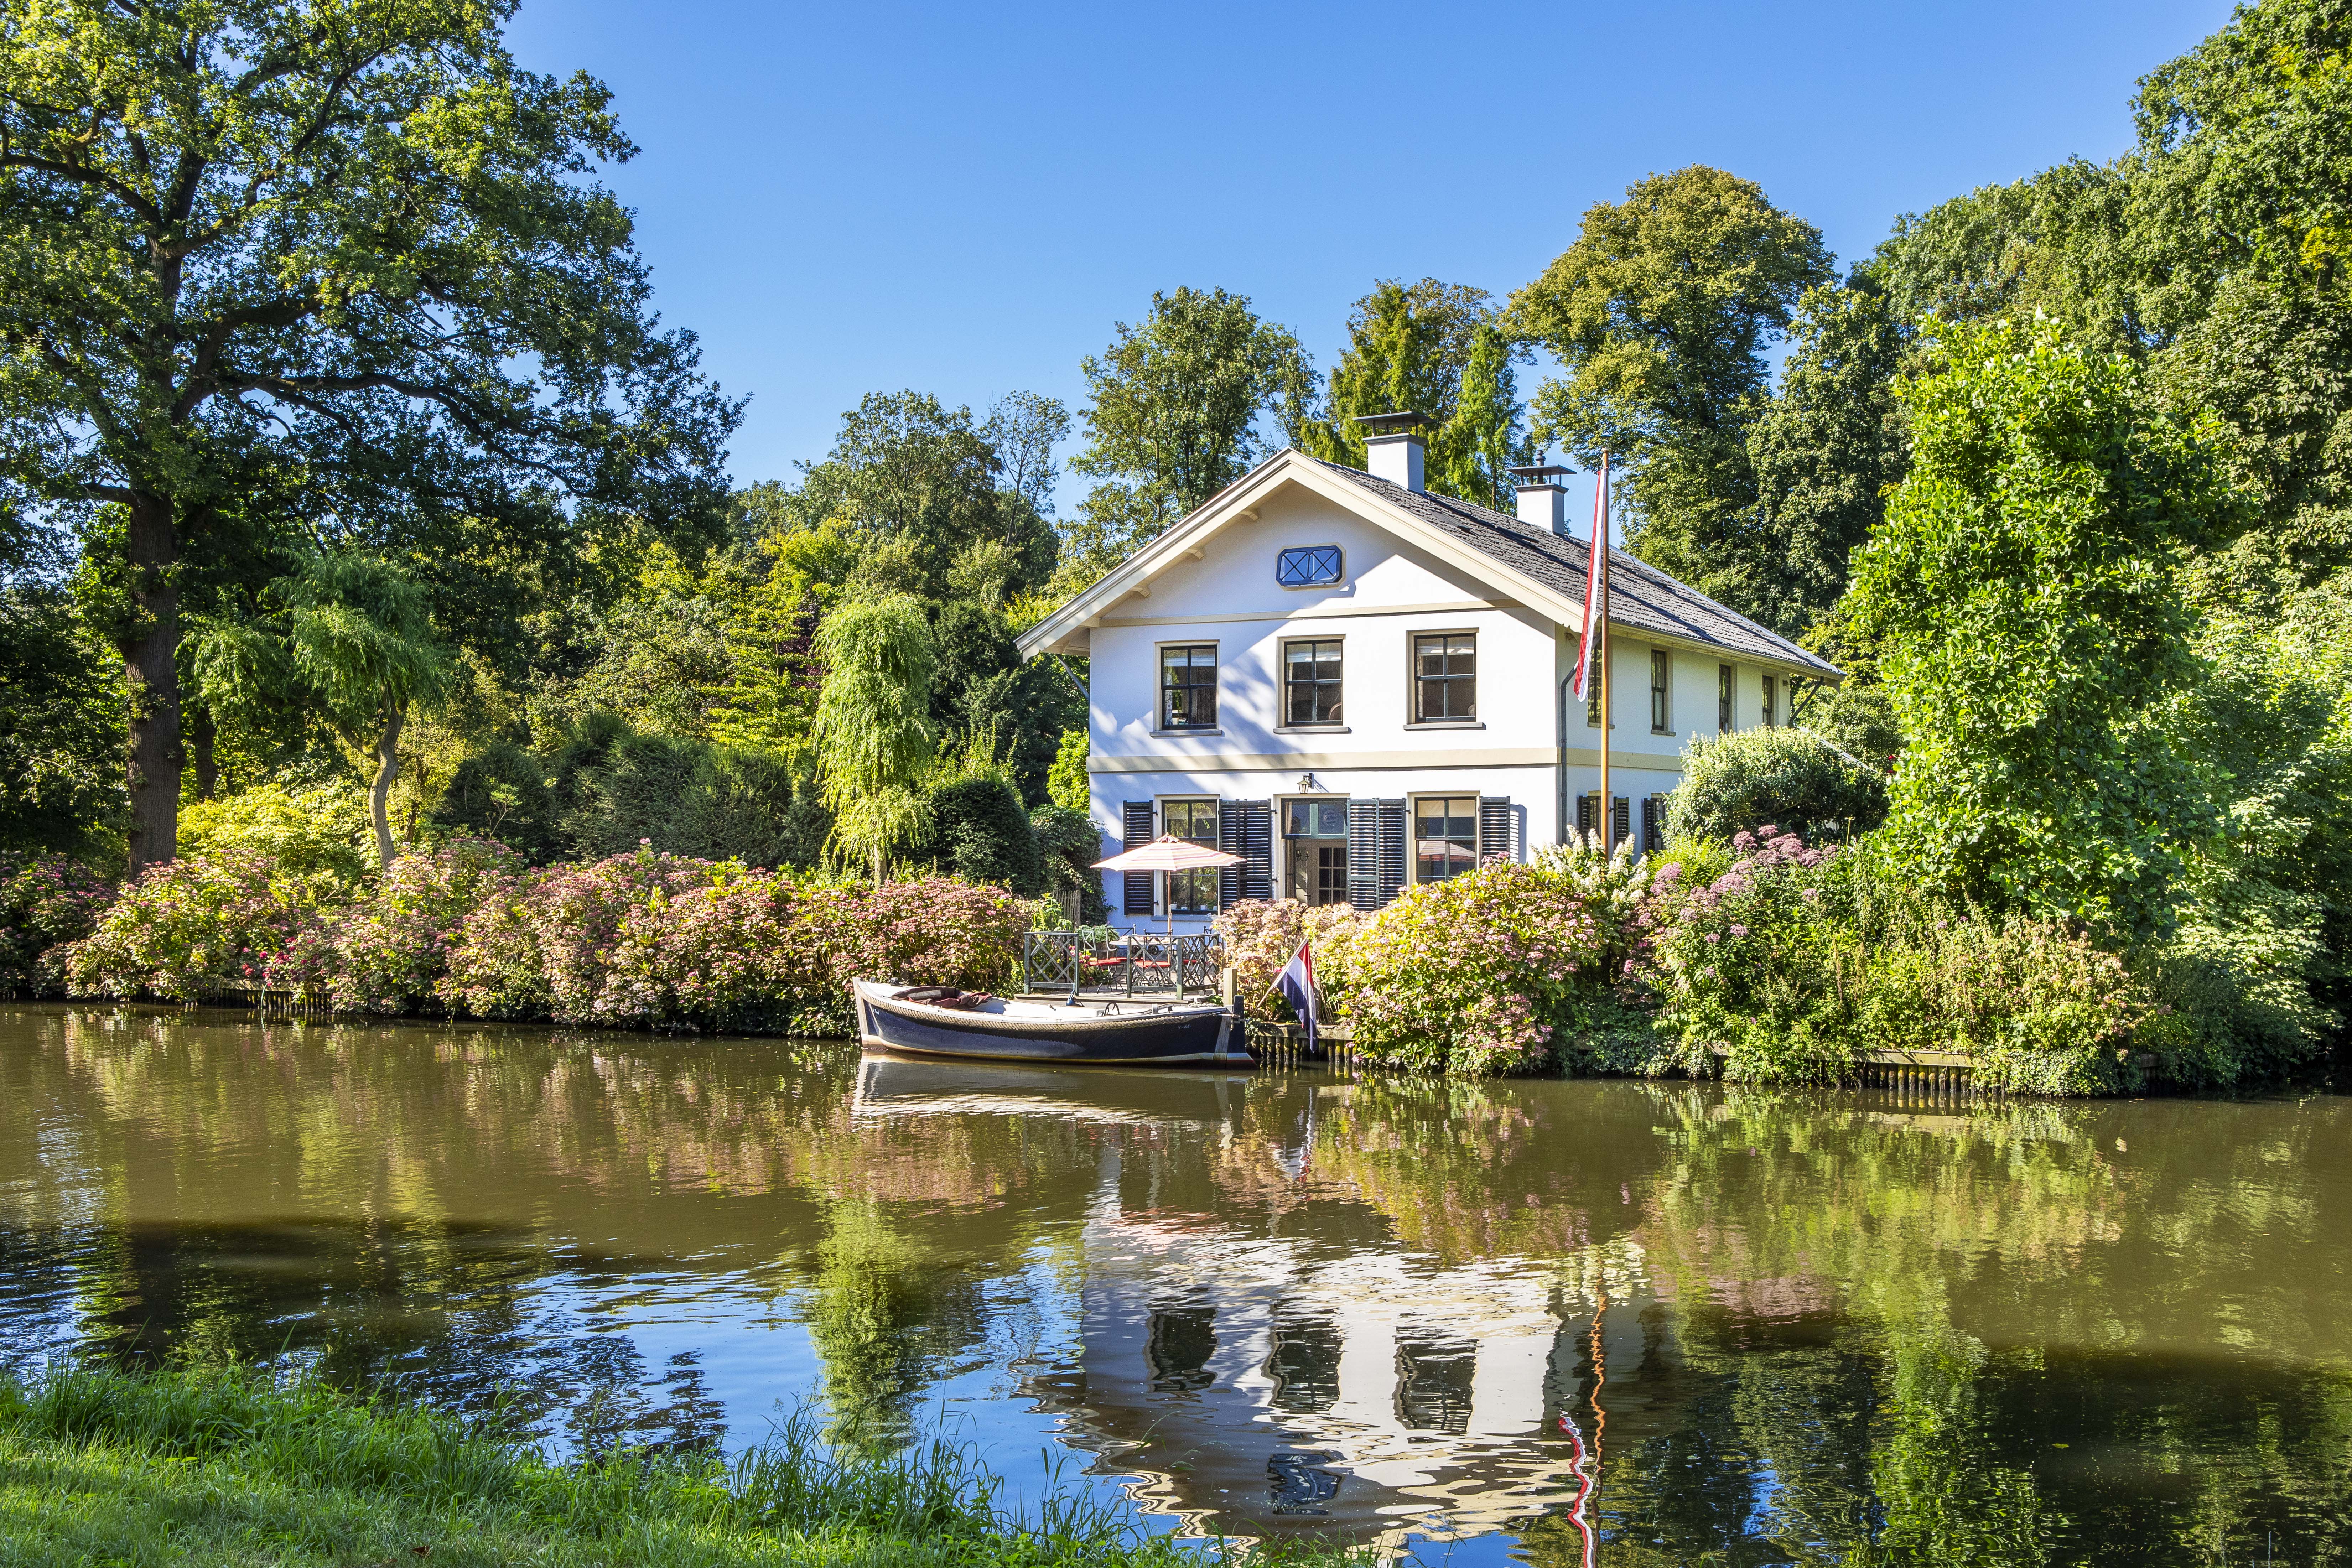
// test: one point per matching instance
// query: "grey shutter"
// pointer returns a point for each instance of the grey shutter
(1229, 839)
(1376, 830)
(1256, 849)
(1135, 817)
(1620, 821)
(1395, 822)
(1653, 824)
(1588, 814)
(1494, 828)
(1246, 828)
(1364, 854)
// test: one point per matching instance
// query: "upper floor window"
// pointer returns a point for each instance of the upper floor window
(1444, 836)
(1187, 687)
(1661, 720)
(1309, 567)
(1310, 682)
(1769, 693)
(1444, 677)
(1723, 697)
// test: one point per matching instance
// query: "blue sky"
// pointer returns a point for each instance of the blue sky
(963, 199)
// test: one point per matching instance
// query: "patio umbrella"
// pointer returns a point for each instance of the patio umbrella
(1169, 853)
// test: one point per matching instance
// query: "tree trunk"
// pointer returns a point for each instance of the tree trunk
(200, 736)
(387, 769)
(149, 664)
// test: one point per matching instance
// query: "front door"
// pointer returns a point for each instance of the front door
(1314, 849)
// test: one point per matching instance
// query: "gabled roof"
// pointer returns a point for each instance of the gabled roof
(1640, 598)
(1544, 569)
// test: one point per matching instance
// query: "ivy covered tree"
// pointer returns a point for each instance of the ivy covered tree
(343, 263)
(2024, 600)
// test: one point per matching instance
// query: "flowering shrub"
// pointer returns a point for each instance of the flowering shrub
(1471, 975)
(644, 940)
(385, 951)
(1260, 934)
(1796, 962)
(190, 927)
(46, 902)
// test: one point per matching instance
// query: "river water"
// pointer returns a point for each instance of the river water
(1556, 1322)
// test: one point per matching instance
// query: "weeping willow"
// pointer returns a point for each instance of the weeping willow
(873, 730)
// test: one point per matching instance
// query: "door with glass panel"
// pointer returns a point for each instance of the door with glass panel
(1315, 848)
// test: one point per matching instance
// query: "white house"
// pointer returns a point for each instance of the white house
(1358, 685)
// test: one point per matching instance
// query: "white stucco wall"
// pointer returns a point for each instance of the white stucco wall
(1515, 748)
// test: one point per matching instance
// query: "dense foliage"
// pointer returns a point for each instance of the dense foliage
(1795, 777)
(46, 902)
(355, 283)
(639, 940)
(2023, 592)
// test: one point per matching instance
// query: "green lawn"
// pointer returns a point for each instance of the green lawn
(216, 1467)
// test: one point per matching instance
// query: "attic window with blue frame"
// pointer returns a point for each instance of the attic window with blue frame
(1310, 566)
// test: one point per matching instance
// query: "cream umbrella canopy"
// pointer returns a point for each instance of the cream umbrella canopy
(1169, 853)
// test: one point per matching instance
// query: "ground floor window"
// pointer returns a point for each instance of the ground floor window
(1445, 837)
(1314, 847)
(1192, 893)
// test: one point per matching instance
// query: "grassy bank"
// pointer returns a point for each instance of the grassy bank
(204, 1468)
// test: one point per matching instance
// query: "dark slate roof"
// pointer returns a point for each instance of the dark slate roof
(1640, 598)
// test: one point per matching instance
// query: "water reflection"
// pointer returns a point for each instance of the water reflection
(1668, 1324)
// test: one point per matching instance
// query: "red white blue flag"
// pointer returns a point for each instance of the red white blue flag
(1596, 587)
(1296, 984)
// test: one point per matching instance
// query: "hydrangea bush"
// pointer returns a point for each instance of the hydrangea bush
(639, 940)
(385, 952)
(45, 903)
(1474, 975)
(193, 927)
(1260, 934)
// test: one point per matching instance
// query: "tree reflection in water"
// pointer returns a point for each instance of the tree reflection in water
(1834, 1330)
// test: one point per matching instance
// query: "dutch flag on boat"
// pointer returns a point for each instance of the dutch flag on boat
(1296, 984)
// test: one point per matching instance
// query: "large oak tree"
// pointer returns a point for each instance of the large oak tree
(341, 267)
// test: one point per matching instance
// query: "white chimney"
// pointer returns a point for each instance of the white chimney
(1543, 495)
(1393, 448)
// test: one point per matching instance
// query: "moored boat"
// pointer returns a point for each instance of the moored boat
(933, 1021)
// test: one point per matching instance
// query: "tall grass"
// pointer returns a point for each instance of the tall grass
(228, 1466)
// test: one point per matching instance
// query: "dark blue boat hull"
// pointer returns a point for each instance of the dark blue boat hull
(1135, 1033)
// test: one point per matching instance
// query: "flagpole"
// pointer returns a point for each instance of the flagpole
(1608, 715)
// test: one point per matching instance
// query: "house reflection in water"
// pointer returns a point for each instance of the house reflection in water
(1256, 1384)
(1282, 1363)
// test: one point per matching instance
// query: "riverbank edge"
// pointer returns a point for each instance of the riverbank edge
(1938, 1076)
(214, 1466)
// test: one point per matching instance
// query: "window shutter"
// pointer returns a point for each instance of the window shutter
(1654, 826)
(1395, 822)
(1364, 854)
(1620, 821)
(1376, 830)
(1136, 818)
(1494, 825)
(1229, 839)
(1246, 828)
(1256, 849)
(1588, 814)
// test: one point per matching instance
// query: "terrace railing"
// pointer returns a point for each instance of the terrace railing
(1055, 963)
